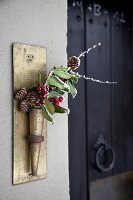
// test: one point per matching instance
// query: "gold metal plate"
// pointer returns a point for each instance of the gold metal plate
(28, 60)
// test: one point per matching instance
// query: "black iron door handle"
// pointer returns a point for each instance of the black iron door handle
(103, 149)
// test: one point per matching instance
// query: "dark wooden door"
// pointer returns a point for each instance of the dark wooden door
(100, 109)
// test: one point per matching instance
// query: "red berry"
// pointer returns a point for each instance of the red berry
(37, 104)
(60, 99)
(51, 100)
(43, 87)
(46, 92)
(56, 98)
(42, 90)
(47, 88)
(57, 103)
(39, 92)
(38, 89)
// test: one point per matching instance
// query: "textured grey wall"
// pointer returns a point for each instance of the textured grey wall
(41, 22)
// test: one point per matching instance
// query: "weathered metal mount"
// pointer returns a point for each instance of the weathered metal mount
(28, 60)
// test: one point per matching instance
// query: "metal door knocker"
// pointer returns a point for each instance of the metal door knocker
(105, 155)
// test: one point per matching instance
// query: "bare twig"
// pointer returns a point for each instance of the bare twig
(89, 49)
(98, 81)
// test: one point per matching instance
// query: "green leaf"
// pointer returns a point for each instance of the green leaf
(59, 109)
(63, 74)
(54, 94)
(33, 87)
(75, 74)
(73, 90)
(60, 92)
(66, 90)
(60, 69)
(49, 106)
(46, 114)
(39, 77)
(75, 80)
(55, 81)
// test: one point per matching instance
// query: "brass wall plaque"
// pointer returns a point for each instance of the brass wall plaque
(27, 61)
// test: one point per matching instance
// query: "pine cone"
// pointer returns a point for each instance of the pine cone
(24, 106)
(32, 98)
(73, 62)
(21, 94)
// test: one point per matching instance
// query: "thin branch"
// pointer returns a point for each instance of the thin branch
(89, 49)
(98, 81)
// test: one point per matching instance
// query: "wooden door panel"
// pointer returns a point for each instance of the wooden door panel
(77, 127)
(98, 95)
(122, 93)
(100, 109)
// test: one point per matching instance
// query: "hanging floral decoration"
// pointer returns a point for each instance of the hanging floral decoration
(48, 93)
